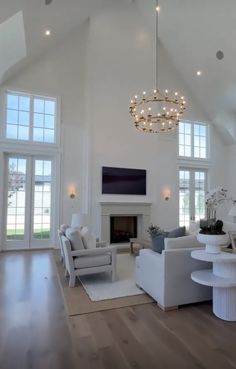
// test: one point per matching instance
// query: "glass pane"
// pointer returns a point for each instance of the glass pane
(23, 133)
(24, 103)
(202, 130)
(42, 199)
(196, 129)
(49, 121)
(187, 151)
(12, 116)
(38, 134)
(187, 128)
(23, 118)
(16, 199)
(48, 135)
(38, 120)
(11, 131)
(49, 107)
(12, 101)
(38, 105)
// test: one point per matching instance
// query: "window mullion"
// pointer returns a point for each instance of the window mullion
(192, 140)
(31, 117)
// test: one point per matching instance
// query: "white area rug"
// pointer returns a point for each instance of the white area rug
(100, 287)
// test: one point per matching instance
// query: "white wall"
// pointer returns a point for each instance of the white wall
(121, 61)
(95, 71)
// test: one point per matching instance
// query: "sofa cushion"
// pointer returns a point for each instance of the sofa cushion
(92, 261)
(75, 239)
(63, 228)
(88, 239)
(178, 232)
(185, 242)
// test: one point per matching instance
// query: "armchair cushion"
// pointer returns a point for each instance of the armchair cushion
(88, 239)
(75, 238)
(92, 261)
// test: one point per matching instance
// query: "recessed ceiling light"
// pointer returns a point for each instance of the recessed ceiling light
(220, 55)
(199, 73)
(47, 32)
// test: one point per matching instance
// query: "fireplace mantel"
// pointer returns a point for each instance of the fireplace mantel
(123, 208)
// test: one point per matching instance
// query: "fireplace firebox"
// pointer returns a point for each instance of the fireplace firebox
(122, 228)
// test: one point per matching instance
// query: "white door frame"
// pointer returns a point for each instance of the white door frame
(192, 170)
(29, 242)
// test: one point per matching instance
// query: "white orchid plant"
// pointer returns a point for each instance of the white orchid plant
(214, 198)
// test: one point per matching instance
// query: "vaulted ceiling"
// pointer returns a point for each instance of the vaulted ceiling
(191, 32)
(60, 16)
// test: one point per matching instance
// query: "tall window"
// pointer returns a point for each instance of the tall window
(30, 118)
(192, 190)
(193, 140)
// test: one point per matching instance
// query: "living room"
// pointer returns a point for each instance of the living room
(66, 85)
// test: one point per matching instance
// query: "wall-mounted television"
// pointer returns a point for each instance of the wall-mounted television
(123, 181)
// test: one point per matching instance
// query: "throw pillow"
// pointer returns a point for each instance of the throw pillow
(158, 244)
(89, 241)
(178, 232)
(75, 239)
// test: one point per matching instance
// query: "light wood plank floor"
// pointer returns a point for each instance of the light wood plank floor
(36, 333)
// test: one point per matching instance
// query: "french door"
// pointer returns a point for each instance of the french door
(28, 202)
(192, 191)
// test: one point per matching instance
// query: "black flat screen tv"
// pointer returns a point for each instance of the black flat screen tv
(123, 181)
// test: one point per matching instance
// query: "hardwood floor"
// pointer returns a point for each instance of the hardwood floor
(36, 333)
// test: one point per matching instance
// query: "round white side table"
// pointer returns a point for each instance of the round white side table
(223, 280)
(213, 242)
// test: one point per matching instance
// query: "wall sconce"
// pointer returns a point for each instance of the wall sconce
(166, 194)
(72, 192)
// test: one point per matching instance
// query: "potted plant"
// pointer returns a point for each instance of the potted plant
(211, 232)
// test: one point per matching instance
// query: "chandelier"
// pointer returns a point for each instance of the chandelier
(157, 112)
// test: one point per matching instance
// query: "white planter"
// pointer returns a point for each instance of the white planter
(213, 242)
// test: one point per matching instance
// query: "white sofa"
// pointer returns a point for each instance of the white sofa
(166, 277)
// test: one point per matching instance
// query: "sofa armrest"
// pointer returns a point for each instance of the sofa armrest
(93, 252)
(150, 273)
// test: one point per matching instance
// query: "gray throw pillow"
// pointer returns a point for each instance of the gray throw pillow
(178, 232)
(158, 242)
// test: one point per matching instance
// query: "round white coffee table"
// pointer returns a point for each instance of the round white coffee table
(213, 242)
(223, 280)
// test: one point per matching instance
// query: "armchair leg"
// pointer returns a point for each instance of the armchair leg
(72, 281)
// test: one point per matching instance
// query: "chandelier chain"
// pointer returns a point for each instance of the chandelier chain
(157, 24)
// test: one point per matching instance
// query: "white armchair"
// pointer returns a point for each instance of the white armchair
(88, 261)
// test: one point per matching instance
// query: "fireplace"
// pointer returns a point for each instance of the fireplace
(140, 210)
(122, 228)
